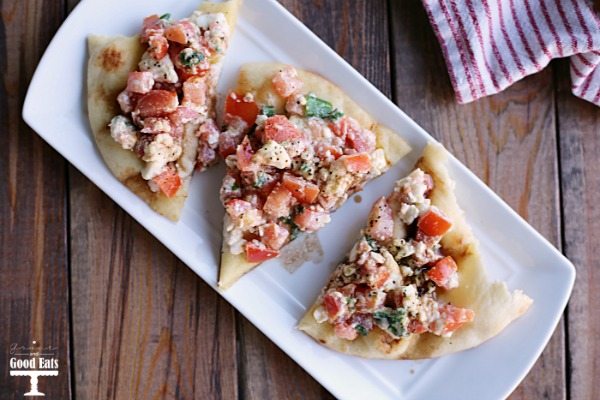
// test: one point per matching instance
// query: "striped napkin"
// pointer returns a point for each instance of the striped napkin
(490, 44)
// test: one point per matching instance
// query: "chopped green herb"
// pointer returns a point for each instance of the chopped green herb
(361, 329)
(316, 107)
(294, 230)
(372, 242)
(304, 167)
(166, 16)
(190, 58)
(269, 111)
(235, 186)
(392, 320)
(261, 179)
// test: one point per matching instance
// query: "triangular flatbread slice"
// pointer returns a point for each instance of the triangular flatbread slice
(296, 146)
(151, 101)
(410, 288)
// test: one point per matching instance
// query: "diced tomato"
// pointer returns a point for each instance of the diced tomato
(182, 32)
(237, 207)
(303, 190)
(157, 103)
(366, 300)
(434, 223)
(280, 129)
(278, 202)
(274, 236)
(286, 81)
(257, 252)
(244, 155)
(415, 326)
(394, 298)
(152, 25)
(344, 330)
(442, 273)
(362, 140)
(333, 305)
(324, 151)
(237, 105)
(183, 115)
(381, 222)
(359, 163)
(168, 182)
(454, 317)
(310, 220)
(194, 92)
(383, 274)
(158, 46)
(140, 82)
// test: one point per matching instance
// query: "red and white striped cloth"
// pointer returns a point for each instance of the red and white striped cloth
(490, 44)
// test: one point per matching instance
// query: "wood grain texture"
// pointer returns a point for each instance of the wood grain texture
(33, 263)
(144, 326)
(508, 140)
(579, 126)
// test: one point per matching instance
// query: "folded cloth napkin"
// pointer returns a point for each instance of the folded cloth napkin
(490, 44)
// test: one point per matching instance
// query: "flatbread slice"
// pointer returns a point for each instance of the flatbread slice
(125, 125)
(395, 321)
(305, 147)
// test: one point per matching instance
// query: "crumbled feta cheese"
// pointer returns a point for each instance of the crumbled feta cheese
(162, 70)
(273, 154)
(378, 162)
(158, 153)
(123, 132)
(320, 314)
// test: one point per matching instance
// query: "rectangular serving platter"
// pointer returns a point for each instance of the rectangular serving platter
(275, 295)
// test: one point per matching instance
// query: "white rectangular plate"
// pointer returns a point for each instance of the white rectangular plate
(272, 297)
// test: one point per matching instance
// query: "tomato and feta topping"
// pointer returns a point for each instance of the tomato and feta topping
(393, 275)
(169, 95)
(294, 167)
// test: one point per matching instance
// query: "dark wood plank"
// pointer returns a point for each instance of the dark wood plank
(145, 326)
(360, 35)
(579, 123)
(508, 140)
(33, 221)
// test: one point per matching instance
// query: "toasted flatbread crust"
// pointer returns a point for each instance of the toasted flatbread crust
(494, 305)
(256, 78)
(110, 61)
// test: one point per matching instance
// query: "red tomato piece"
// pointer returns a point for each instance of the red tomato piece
(140, 82)
(442, 273)
(286, 81)
(152, 25)
(434, 223)
(359, 163)
(362, 140)
(333, 305)
(182, 32)
(238, 105)
(194, 92)
(310, 220)
(158, 46)
(280, 129)
(257, 252)
(244, 155)
(157, 103)
(278, 202)
(168, 182)
(274, 236)
(383, 273)
(415, 326)
(381, 222)
(237, 207)
(304, 191)
(454, 317)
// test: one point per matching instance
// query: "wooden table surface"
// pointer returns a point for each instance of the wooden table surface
(131, 321)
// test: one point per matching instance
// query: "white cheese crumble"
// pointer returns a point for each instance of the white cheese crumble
(123, 132)
(273, 154)
(162, 70)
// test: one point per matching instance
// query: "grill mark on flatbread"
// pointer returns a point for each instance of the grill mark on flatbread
(110, 59)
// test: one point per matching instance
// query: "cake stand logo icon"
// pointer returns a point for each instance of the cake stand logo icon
(33, 361)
